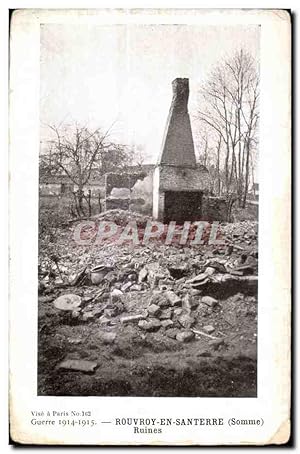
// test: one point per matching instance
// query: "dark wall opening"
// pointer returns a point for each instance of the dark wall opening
(181, 206)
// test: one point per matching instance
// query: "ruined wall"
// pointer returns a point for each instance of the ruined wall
(214, 208)
(119, 180)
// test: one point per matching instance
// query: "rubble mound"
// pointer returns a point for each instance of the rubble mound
(122, 217)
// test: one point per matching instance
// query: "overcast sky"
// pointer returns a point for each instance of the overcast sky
(122, 74)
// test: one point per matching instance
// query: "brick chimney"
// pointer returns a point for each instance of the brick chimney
(178, 182)
(178, 145)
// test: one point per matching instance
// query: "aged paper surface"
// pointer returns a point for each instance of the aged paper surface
(122, 120)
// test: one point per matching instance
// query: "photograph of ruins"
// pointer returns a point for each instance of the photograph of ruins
(148, 210)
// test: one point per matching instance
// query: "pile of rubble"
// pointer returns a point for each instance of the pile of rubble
(180, 293)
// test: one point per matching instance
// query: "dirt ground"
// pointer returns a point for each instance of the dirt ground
(216, 359)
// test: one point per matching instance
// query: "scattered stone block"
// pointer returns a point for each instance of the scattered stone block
(165, 314)
(178, 311)
(69, 302)
(135, 288)
(195, 292)
(126, 286)
(153, 309)
(78, 365)
(209, 301)
(166, 323)
(208, 329)
(104, 320)
(186, 320)
(88, 316)
(172, 333)
(209, 271)
(185, 336)
(188, 303)
(149, 325)
(116, 295)
(142, 275)
(108, 338)
(173, 298)
(216, 344)
(132, 318)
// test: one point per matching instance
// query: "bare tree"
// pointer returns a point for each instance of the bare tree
(77, 151)
(230, 110)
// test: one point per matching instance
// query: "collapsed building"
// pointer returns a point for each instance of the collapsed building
(179, 185)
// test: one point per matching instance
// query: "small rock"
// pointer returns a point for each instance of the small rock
(136, 288)
(108, 338)
(114, 309)
(209, 301)
(186, 320)
(163, 302)
(153, 309)
(185, 336)
(178, 311)
(165, 314)
(111, 277)
(237, 297)
(45, 299)
(104, 320)
(215, 344)
(67, 302)
(116, 293)
(209, 271)
(149, 325)
(172, 333)
(229, 250)
(195, 292)
(166, 323)
(173, 298)
(142, 275)
(76, 314)
(133, 318)
(189, 303)
(132, 277)
(74, 340)
(126, 286)
(88, 316)
(78, 365)
(208, 329)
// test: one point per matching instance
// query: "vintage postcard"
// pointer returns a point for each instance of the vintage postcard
(150, 227)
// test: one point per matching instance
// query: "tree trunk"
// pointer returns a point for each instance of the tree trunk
(218, 167)
(247, 174)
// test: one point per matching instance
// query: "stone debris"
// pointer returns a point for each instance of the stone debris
(170, 294)
(173, 299)
(166, 323)
(208, 329)
(185, 336)
(108, 337)
(166, 314)
(78, 365)
(133, 318)
(209, 301)
(143, 274)
(149, 325)
(216, 344)
(69, 302)
(186, 321)
(153, 309)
